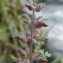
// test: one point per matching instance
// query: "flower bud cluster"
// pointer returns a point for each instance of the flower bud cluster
(37, 23)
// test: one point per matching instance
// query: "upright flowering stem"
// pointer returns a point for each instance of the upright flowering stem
(35, 33)
(32, 20)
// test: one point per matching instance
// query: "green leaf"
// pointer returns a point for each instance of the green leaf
(17, 33)
(31, 1)
(44, 19)
(41, 4)
(58, 59)
(39, 41)
(20, 32)
(21, 18)
(35, 1)
(42, 52)
(47, 54)
(34, 40)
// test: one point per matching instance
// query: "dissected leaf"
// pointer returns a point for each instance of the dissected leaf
(45, 54)
(39, 41)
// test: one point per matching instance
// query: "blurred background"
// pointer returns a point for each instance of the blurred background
(10, 23)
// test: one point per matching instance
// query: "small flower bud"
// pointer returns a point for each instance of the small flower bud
(28, 34)
(39, 24)
(22, 38)
(39, 7)
(37, 33)
(38, 53)
(25, 16)
(30, 7)
(44, 24)
(22, 53)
